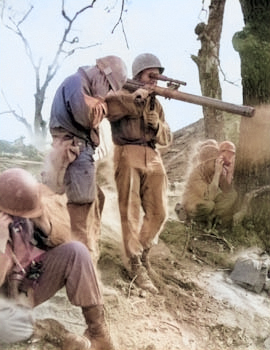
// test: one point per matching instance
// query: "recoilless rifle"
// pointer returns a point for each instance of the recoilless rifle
(171, 92)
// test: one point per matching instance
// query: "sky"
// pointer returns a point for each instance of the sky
(164, 28)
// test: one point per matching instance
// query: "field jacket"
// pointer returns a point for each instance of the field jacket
(71, 109)
(127, 114)
(30, 238)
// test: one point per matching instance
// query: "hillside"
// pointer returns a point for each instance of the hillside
(176, 157)
(197, 308)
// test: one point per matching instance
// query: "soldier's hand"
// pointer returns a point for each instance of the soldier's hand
(219, 165)
(140, 95)
(99, 111)
(153, 119)
(5, 220)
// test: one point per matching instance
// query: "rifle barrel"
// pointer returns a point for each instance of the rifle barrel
(245, 111)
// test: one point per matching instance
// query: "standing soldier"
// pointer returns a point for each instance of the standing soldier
(77, 110)
(138, 126)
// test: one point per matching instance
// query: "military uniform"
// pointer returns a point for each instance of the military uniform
(34, 266)
(76, 112)
(138, 128)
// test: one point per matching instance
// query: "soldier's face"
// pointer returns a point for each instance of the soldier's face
(146, 76)
(228, 157)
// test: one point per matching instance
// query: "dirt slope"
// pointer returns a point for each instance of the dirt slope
(197, 308)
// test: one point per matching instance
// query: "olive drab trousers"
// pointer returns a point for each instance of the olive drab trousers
(141, 183)
(68, 265)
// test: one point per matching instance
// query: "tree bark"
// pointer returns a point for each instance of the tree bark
(253, 154)
(208, 65)
(252, 44)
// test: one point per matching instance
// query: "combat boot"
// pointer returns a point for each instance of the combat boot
(145, 259)
(97, 329)
(53, 332)
(139, 273)
(76, 342)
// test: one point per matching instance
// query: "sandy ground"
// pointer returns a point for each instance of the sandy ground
(198, 306)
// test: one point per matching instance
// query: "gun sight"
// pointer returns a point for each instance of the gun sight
(164, 78)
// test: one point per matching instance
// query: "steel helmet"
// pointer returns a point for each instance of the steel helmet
(227, 146)
(145, 61)
(208, 152)
(114, 69)
(19, 193)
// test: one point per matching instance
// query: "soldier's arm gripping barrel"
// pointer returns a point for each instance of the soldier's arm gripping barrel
(245, 111)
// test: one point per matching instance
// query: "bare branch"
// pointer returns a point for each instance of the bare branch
(54, 66)
(20, 118)
(203, 13)
(7, 112)
(225, 78)
(120, 20)
(63, 51)
(77, 13)
(120, 17)
(68, 53)
(25, 16)
(123, 30)
(18, 32)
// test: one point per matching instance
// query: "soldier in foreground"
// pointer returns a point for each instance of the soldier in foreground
(138, 126)
(77, 110)
(32, 272)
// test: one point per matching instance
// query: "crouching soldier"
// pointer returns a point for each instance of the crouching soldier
(31, 269)
(209, 196)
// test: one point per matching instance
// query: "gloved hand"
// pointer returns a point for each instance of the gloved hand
(97, 109)
(140, 95)
(152, 118)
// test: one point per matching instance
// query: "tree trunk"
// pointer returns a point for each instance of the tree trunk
(253, 153)
(40, 126)
(252, 43)
(208, 65)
